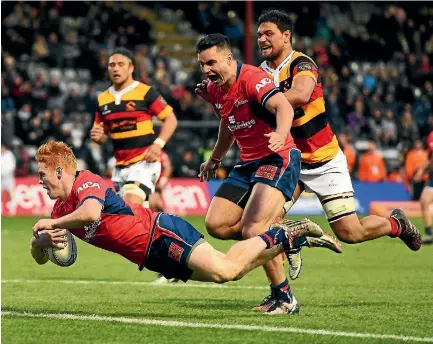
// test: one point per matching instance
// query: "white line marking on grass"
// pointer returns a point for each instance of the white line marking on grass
(175, 285)
(154, 322)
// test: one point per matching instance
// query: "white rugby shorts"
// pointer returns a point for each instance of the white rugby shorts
(147, 173)
(329, 179)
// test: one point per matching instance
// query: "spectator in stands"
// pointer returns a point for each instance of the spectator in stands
(234, 29)
(40, 49)
(375, 125)
(190, 166)
(398, 175)
(372, 166)
(8, 165)
(356, 121)
(389, 128)
(415, 158)
(348, 151)
(408, 130)
(8, 103)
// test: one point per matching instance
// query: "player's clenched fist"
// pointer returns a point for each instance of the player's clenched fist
(276, 141)
(97, 133)
(208, 169)
(153, 153)
(201, 90)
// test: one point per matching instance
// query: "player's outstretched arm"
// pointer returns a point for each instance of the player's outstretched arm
(87, 213)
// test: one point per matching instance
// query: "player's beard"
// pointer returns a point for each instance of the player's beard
(273, 55)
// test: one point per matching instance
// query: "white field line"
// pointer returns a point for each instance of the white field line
(138, 283)
(186, 324)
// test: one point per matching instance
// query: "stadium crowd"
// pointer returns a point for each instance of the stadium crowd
(374, 60)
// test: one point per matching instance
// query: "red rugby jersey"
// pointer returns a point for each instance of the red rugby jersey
(122, 228)
(243, 110)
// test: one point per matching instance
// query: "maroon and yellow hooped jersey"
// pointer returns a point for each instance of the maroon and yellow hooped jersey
(127, 119)
(310, 129)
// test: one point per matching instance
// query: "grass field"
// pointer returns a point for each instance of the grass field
(375, 292)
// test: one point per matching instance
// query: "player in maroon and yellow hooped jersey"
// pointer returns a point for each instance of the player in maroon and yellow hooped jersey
(324, 167)
(124, 113)
(91, 210)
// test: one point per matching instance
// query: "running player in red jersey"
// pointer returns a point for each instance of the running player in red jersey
(255, 114)
(94, 212)
(426, 198)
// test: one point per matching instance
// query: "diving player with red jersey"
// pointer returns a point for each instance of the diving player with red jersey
(88, 207)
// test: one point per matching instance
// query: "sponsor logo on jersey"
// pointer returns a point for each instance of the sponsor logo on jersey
(105, 110)
(240, 102)
(130, 106)
(91, 230)
(263, 83)
(306, 66)
(87, 185)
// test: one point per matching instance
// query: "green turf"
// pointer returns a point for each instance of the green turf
(378, 287)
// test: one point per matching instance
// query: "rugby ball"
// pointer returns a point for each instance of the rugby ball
(64, 256)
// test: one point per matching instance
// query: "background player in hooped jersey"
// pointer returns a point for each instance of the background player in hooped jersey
(92, 211)
(426, 199)
(324, 167)
(124, 113)
(255, 113)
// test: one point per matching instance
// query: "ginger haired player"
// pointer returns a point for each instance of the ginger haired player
(91, 210)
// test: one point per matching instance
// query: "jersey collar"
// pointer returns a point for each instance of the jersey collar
(276, 72)
(238, 70)
(118, 94)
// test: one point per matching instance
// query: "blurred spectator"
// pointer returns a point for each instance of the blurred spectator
(40, 49)
(372, 166)
(8, 163)
(415, 158)
(398, 175)
(356, 121)
(389, 128)
(234, 29)
(375, 125)
(408, 130)
(189, 166)
(348, 151)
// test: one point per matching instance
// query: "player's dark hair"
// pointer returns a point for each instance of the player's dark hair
(213, 40)
(280, 19)
(125, 52)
